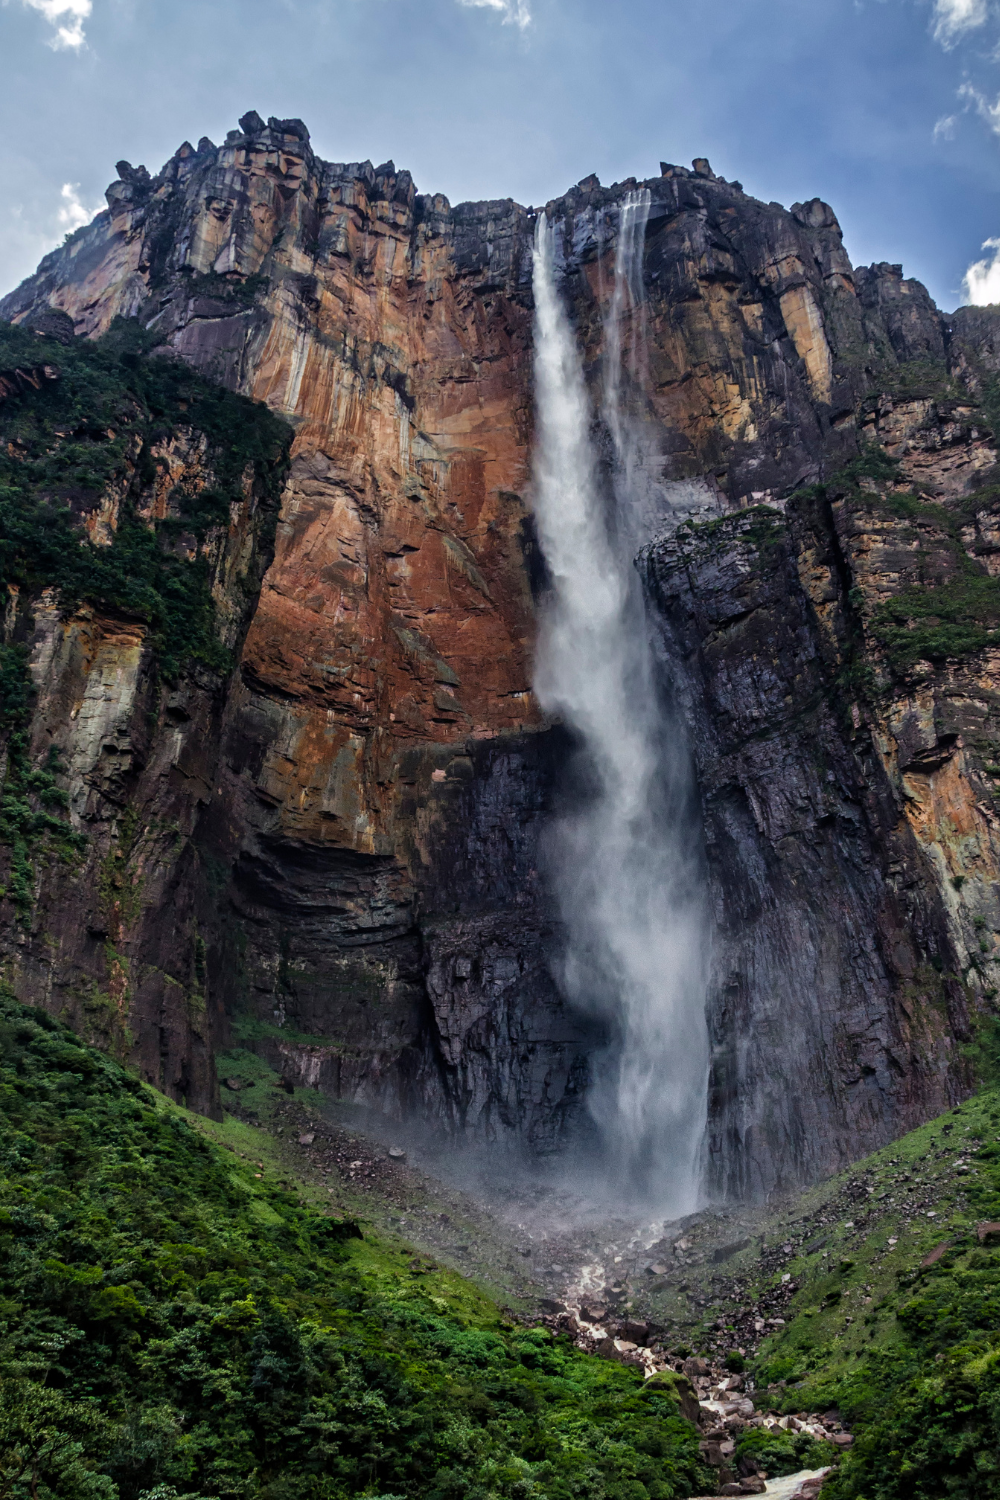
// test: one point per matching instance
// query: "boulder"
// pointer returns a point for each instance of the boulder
(638, 1332)
(694, 1366)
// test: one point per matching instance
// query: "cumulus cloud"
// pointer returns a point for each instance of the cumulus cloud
(67, 18)
(952, 18)
(72, 215)
(514, 12)
(981, 281)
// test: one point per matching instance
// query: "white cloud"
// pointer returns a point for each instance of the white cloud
(981, 281)
(944, 129)
(987, 111)
(73, 215)
(67, 16)
(953, 17)
(30, 230)
(512, 11)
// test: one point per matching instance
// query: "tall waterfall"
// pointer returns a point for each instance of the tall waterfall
(623, 860)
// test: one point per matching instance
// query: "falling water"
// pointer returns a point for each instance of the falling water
(624, 861)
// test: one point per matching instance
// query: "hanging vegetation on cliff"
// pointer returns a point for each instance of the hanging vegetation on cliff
(89, 422)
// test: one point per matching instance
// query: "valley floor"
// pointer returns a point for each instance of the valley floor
(849, 1297)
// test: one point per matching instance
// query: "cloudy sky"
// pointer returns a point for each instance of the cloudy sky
(888, 109)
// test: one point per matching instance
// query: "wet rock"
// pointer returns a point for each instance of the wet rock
(638, 1332)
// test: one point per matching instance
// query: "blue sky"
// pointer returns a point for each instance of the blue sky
(888, 109)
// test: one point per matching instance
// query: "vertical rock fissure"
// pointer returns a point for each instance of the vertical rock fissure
(623, 859)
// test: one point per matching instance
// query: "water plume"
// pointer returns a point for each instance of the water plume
(624, 858)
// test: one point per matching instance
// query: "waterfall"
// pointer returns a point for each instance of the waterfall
(624, 858)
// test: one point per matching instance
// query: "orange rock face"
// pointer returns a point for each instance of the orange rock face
(398, 602)
(382, 727)
(373, 830)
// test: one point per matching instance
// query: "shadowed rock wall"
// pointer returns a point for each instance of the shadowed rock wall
(381, 771)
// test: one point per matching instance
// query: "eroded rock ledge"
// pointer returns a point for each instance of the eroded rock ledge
(370, 898)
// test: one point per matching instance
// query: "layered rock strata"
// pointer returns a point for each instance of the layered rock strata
(383, 772)
(115, 673)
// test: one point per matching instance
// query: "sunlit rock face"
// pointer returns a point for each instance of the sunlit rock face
(381, 780)
(381, 774)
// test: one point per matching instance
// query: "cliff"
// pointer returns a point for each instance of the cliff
(137, 511)
(370, 906)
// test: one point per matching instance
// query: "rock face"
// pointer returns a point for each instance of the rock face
(121, 629)
(380, 770)
(382, 766)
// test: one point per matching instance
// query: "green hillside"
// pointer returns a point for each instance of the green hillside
(171, 1323)
(895, 1317)
(876, 1293)
(174, 1323)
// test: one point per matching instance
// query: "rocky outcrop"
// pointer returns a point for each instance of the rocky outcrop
(132, 558)
(380, 771)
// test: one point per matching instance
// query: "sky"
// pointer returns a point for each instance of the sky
(887, 109)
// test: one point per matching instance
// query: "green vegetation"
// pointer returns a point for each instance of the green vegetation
(953, 610)
(939, 622)
(89, 431)
(93, 431)
(759, 526)
(918, 379)
(950, 611)
(783, 1453)
(174, 1323)
(905, 1345)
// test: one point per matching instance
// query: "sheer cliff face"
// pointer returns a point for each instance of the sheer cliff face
(380, 772)
(380, 781)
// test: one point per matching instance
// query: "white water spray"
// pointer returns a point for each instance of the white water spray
(627, 876)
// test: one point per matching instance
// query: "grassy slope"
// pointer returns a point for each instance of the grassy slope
(171, 1320)
(908, 1352)
(863, 1321)
(395, 1200)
